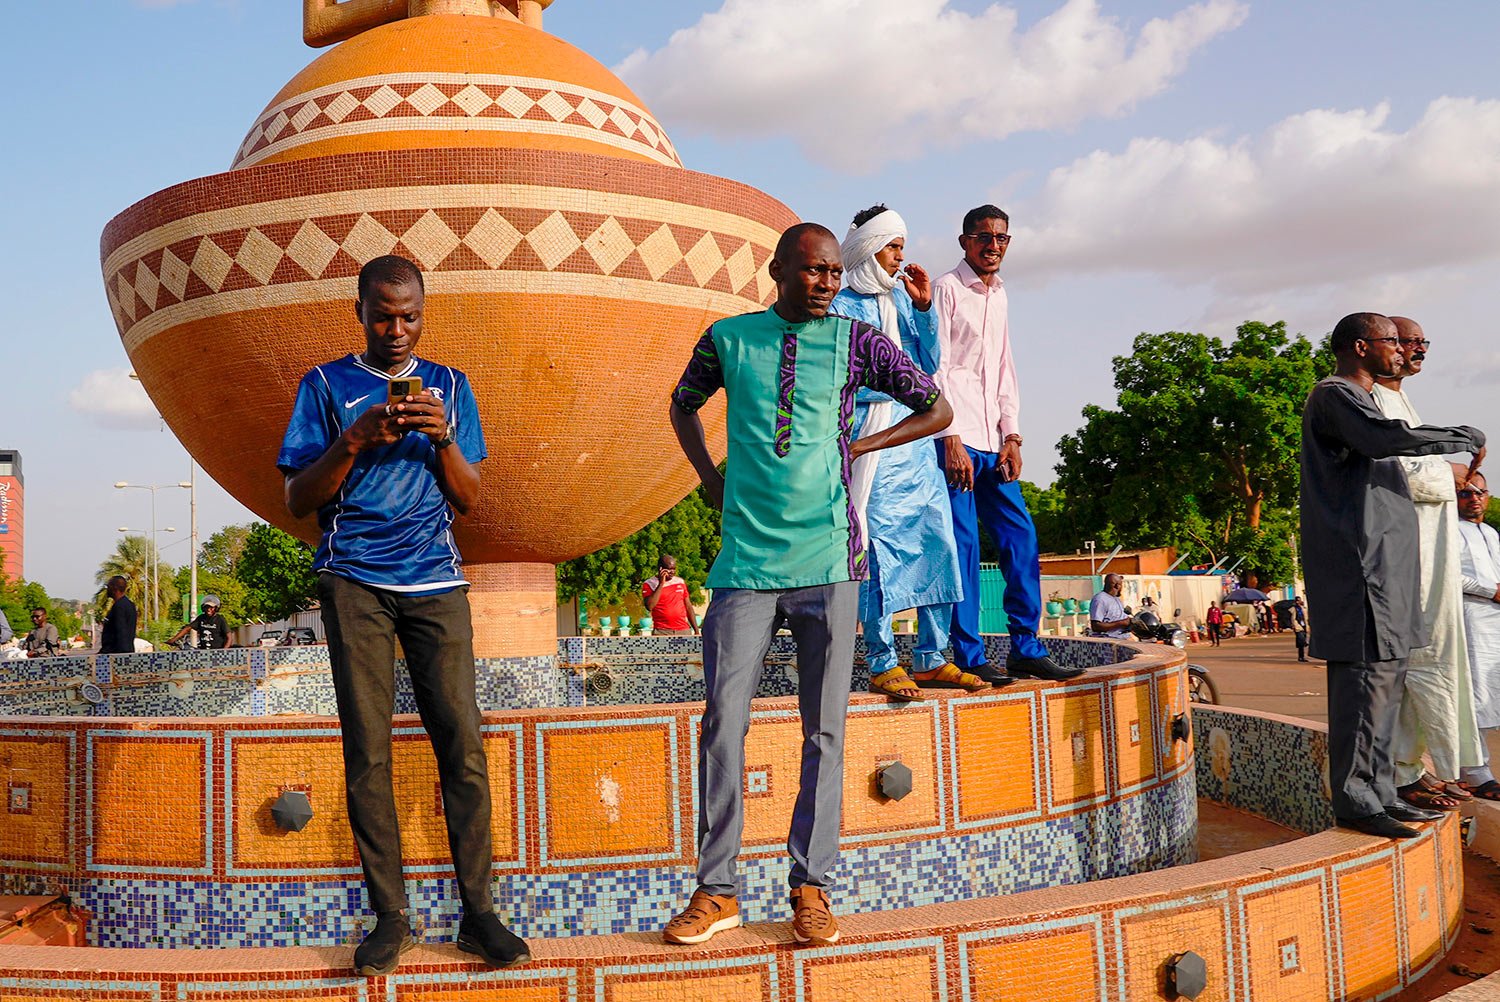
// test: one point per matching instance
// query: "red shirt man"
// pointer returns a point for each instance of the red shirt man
(666, 598)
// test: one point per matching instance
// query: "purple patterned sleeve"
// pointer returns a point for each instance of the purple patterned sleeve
(881, 365)
(702, 378)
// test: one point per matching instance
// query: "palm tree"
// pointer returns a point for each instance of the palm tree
(132, 560)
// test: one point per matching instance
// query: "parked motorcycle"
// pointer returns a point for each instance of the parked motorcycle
(1148, 626)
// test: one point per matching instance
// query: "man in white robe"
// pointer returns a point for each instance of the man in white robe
(1481, 578)
(1437, 708)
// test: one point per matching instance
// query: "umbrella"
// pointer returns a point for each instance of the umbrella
(1246, 595)
(1284, 604)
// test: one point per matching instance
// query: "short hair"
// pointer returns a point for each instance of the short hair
(795, 233)
(1354, 327)
(39, 608)
(664, 558)
(121, 579)
(391, 269)
(863, 216)
(1111, 577)
(974, 217)
(1479, 475)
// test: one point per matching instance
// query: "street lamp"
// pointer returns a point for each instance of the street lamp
(153, 488)
(153, 560)
(192, 486)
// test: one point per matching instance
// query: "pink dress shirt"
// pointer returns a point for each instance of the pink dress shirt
(976, 369)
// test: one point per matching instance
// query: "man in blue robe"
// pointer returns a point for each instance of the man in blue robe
(900, 493)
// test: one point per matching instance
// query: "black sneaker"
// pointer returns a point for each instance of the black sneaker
(990, 674)
(381, 950)
(487, 936)
(1042, 667)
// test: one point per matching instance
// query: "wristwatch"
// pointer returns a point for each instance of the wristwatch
(447, 438)
(1013, 437)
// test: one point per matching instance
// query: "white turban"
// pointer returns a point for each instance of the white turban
(864, 274)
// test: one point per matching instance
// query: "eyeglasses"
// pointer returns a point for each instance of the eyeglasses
(1378, 340)
(1420, 343)
(990, 238)
(1470, 492)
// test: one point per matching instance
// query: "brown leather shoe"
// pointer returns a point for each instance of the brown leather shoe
(705, 915)
(812, 922)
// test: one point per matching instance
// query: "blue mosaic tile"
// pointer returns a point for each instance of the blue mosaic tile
(1272, 768)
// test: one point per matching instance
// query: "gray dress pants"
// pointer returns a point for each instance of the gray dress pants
(1364, 702)
(737, 633)
(437, 637)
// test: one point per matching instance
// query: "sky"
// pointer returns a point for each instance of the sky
(1166, 166)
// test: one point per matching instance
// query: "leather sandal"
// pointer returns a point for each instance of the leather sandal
(1419, 794)
(1488, 790)
(949, 676)
(895, 683)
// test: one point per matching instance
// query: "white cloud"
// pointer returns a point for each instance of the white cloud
(848, 78)
(114, 400)
(1323, 198)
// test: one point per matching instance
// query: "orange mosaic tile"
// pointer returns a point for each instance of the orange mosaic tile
(905, 976)
(1135, 743)
(481, 989)
(34, 780)
(1006, 970)
(1287, 951)
(1171, 699)
(1367, 928)
(609, 792)
(985, 733)
(1151, 938)
(1079, 769)
(1421, 883)
(419, 807)
(873, 740)
(133, 778)
(261, 768)
(773, 769)
(746, 985)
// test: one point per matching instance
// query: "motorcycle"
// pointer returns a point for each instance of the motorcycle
(1148, 627)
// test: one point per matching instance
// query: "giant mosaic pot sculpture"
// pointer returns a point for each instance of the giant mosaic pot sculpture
(571, 262)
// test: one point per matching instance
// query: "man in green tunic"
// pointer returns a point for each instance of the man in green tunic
(792, 549)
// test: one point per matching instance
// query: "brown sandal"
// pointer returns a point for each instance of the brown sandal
(1447, 787)
(1488, 790)
(949, 676)
(1420, 795)
(895, 683)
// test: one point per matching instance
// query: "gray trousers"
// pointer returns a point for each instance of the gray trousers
(437, 637)
(737, 634)
(1364, 703)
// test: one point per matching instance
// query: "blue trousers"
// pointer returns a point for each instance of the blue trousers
(998, 505)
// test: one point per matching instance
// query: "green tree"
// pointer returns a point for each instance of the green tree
(689, 531)
(1201, 450)
(217, 559)
(275, 569)
(132, 560)
(221, 552)
(19, 597)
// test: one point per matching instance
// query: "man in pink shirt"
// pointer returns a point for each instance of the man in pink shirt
(981, 451)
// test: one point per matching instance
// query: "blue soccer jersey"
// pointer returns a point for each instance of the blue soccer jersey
(390, 526)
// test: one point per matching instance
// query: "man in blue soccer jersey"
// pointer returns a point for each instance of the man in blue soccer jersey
(385, 479)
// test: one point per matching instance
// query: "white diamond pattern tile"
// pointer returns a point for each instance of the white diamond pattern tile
(426, 99)
(382, 101)
(553, 240)
(312, 249)
(555, 105)
(514, 102)
(741, 268)
(609, 245)
(146, 285)
(430, 240)
(472, 100)
(367, 240)
(211, 264)
(705, 259)
(127, 295)
(592, 113)
(660, 252)
(275, 125)
(493, 238)
(174, 274)
(259, 255)
(622, 119)
(339, 108)
(304, 116)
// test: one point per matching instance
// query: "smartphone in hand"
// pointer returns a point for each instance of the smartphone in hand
(406, 386)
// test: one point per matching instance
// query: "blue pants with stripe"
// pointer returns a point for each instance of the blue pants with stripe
(997, 504)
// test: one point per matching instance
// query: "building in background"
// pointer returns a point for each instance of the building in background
(12, 515)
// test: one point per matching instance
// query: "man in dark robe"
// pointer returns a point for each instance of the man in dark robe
(1360, 543)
